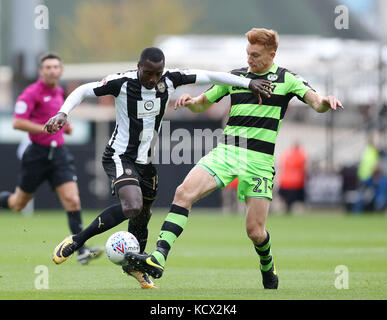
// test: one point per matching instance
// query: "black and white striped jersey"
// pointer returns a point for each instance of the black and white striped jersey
(139, 112)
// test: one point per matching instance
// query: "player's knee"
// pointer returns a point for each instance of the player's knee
(72, 202)
(17, 203)
(131, 209)
(257, 233)
(183, 196)
(17, 206)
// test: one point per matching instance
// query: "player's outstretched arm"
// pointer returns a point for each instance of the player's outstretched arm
(57, 122)
(257, 86)
(197, 104)
(322, 104)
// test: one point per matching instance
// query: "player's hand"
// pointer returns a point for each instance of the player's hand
(332, 102)
(54, 124)
(261, 86)
(183, 101)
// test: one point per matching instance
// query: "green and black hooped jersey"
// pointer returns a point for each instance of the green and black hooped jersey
(255, 126)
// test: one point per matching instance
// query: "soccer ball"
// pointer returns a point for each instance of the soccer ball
(120, 243)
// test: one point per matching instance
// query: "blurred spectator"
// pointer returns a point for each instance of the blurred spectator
(372, 195)
(350, 186)
(292, 176)
(368, 162)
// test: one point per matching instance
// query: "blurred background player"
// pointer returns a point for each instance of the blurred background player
(292, 176)
(246, 151)
(372, 193)
(369, 161)
(46, 158)
(141, 98)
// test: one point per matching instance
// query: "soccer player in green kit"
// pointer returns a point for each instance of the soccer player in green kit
(246, 151)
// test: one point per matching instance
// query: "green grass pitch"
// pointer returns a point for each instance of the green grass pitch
(212, 260)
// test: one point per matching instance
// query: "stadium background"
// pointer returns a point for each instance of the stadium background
(214, 259)
(347, 62)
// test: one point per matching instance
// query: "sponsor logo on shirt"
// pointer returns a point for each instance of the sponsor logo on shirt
(148, 105)
(148, 108)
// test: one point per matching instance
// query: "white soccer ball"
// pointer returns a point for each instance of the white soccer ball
(120, 243)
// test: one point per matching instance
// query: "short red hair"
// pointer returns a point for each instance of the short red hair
(266, 37)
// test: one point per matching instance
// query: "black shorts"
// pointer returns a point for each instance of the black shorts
(126, 172)
(292, 195)
(40, 163)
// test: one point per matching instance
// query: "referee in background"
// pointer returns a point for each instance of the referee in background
(46, 158)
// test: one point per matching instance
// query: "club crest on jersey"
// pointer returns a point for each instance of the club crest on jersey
(128, 172)
(161, 87)
(272, 77)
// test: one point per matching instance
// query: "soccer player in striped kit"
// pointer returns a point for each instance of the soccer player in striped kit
(46, 158)
(246, 151)
(141, 98)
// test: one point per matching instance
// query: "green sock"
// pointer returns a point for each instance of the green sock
(264, 252)
(171, 229)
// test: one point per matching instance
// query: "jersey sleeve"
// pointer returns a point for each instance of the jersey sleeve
(181, 77)
(297, 85)
(216, 93)
(25, 103)
(110, 85)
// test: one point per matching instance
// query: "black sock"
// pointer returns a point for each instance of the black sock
(109, 218)
(75, 221)
(75, 224)
(4, 195)
(140, 231)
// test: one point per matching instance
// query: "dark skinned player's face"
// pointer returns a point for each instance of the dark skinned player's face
(150, 73)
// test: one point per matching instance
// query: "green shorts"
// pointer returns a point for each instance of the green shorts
(225, 163)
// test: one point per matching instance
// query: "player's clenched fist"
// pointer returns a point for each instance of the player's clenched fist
(56, 123)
